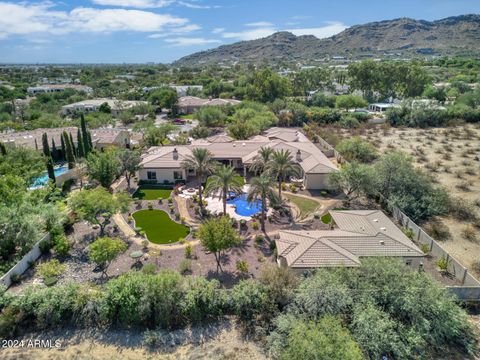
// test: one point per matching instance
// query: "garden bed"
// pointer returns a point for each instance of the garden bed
(152, 193)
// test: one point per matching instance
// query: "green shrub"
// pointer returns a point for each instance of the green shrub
(443, 264)
(61, 244)
(188, 250)
(255, 225)
(242, 266)
(425, 248)
(185, 266)
(52, 268)
(50, 281)
(149, 269)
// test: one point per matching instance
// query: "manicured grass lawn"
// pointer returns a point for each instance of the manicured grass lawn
(306, 206)
(188, 116)
(158, 226)
(144, 193)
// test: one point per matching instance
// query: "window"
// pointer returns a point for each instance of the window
(408, 262)
(177, 175)
(151, 175)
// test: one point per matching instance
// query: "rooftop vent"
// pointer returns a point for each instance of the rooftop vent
(362, 228)
(383, 228)
(382, 242)
(375, 220)
(175, 154)
(243, 144)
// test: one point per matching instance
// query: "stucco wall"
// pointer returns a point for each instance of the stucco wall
(317, 181)
(162, 174)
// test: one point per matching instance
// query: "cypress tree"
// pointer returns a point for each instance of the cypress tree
(55, 155)
(64, 151)
(3, 149)
(50, 170)
(45, 147)
(70, 157)
(80, 148)
(90, 144)
(86, 143)
(72, 144)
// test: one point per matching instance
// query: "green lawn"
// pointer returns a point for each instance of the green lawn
(306, 206)
(144, 193)
(158, 226)
(188, 116)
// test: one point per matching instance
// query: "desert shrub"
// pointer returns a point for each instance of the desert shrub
(357, 149)
(425, 248)
(469, 233)
(149, 269)
(188, 250)
(249, 300)
(61, 244)
(185, 266)
(52, 268)
(437, 230)
(443, 264)
(202, 299)
(463, 186)
(462, 209)
(242, 266)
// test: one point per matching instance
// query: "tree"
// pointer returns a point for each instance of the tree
(353, 178)
(217, 235)
(202, 163)
(63, 147)
(261, 160)
(327, 339)
(97, 206)
(224, 181)
(262, 188)
(55, 154)
(348, 102)
(129, 164)
(105, 108)
(87, 146)
(103, 167)
(165, 97)
(155, 136)
(69, 155)
(211, 116)
(282, 166)
(356, 149)
(412, 190)
(23, 162)
(104, 250)
(80, 149)
(45, 147)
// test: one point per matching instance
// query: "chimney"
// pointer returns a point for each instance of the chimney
(175, 154)
(299, 155)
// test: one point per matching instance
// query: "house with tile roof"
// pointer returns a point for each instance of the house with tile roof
(190, 104)
(354, 234)
(164, 163)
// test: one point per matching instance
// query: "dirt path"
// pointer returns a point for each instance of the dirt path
(215, 342)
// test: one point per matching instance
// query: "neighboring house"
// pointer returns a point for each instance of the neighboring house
(52, 88)
(355, 234)
(180, 89)
(190, 104)
(163, 164)
(92, 105)
(32, 139)
(381, 107)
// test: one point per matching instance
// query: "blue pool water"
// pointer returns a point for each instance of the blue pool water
(243, 207)
(43, 180)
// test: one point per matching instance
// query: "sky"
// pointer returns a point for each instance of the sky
(161, 31)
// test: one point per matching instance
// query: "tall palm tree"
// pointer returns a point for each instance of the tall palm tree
(281, 166)
(223, 181)
(261, 160)
(262, 187)
(202, 162)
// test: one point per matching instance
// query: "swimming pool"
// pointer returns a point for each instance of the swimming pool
(43, 180)
(243, 207)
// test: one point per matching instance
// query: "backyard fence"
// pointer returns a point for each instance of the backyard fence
(24, 263)
(470, 288)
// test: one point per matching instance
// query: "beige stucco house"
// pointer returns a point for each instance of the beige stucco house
(355, 234)
(164, 164)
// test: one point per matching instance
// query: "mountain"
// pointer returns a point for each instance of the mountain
(453, 35)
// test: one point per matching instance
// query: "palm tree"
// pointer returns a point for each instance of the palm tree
(282, 166)
(261, 160)
(202, 162)
(223, 181)
(262, 187)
